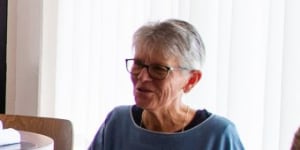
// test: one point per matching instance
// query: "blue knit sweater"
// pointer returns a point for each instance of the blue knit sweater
(120, 132)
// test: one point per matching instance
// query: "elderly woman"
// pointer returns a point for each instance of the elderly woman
(166, 65)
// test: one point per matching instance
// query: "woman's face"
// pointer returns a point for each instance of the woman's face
(154, 94)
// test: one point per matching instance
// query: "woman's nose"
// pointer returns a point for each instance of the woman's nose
(144, 75)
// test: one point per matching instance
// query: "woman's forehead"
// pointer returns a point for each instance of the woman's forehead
(151, 53)
(151, 57)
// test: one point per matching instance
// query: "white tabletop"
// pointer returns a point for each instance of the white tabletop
(31, 141)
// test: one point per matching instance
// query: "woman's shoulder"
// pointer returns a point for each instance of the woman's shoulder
(122, 108)
(117, 115)
(218, 122)
(119, 112)
(217, 127)
(220, 119)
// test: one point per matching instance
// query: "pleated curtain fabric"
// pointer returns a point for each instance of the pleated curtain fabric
(251, 74)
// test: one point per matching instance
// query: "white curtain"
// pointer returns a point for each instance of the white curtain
(251, 73)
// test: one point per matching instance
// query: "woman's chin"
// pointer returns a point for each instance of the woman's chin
(143, 99)
(143, 103)
(143, 96)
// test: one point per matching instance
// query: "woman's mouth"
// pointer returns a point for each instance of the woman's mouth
(141, 89)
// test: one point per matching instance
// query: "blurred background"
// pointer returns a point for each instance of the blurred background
(66, 59)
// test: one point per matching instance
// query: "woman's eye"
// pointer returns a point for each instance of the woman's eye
(158, 68)
(138, 64)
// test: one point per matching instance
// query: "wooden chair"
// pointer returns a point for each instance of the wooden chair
(60, 130)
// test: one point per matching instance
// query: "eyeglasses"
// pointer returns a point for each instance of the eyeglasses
(155, 71)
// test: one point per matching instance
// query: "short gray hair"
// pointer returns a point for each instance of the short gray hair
(172, 38)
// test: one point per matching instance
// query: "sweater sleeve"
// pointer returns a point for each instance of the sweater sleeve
(101, 136)
(98, 141)
(230, 139)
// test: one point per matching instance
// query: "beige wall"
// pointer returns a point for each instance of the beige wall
(24, 44)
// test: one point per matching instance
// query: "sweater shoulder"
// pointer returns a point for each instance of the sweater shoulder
(119, 112)
(122, 110)
(220, 120)
(218, 123)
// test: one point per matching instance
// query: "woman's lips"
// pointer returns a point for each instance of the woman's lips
(143, 89)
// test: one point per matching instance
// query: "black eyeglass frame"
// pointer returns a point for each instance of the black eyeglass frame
(168, 68)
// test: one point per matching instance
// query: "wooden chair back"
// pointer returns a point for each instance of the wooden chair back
(60, 130)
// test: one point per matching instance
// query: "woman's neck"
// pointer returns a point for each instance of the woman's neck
(167, 120)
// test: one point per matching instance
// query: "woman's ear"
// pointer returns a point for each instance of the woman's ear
(193, 80)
